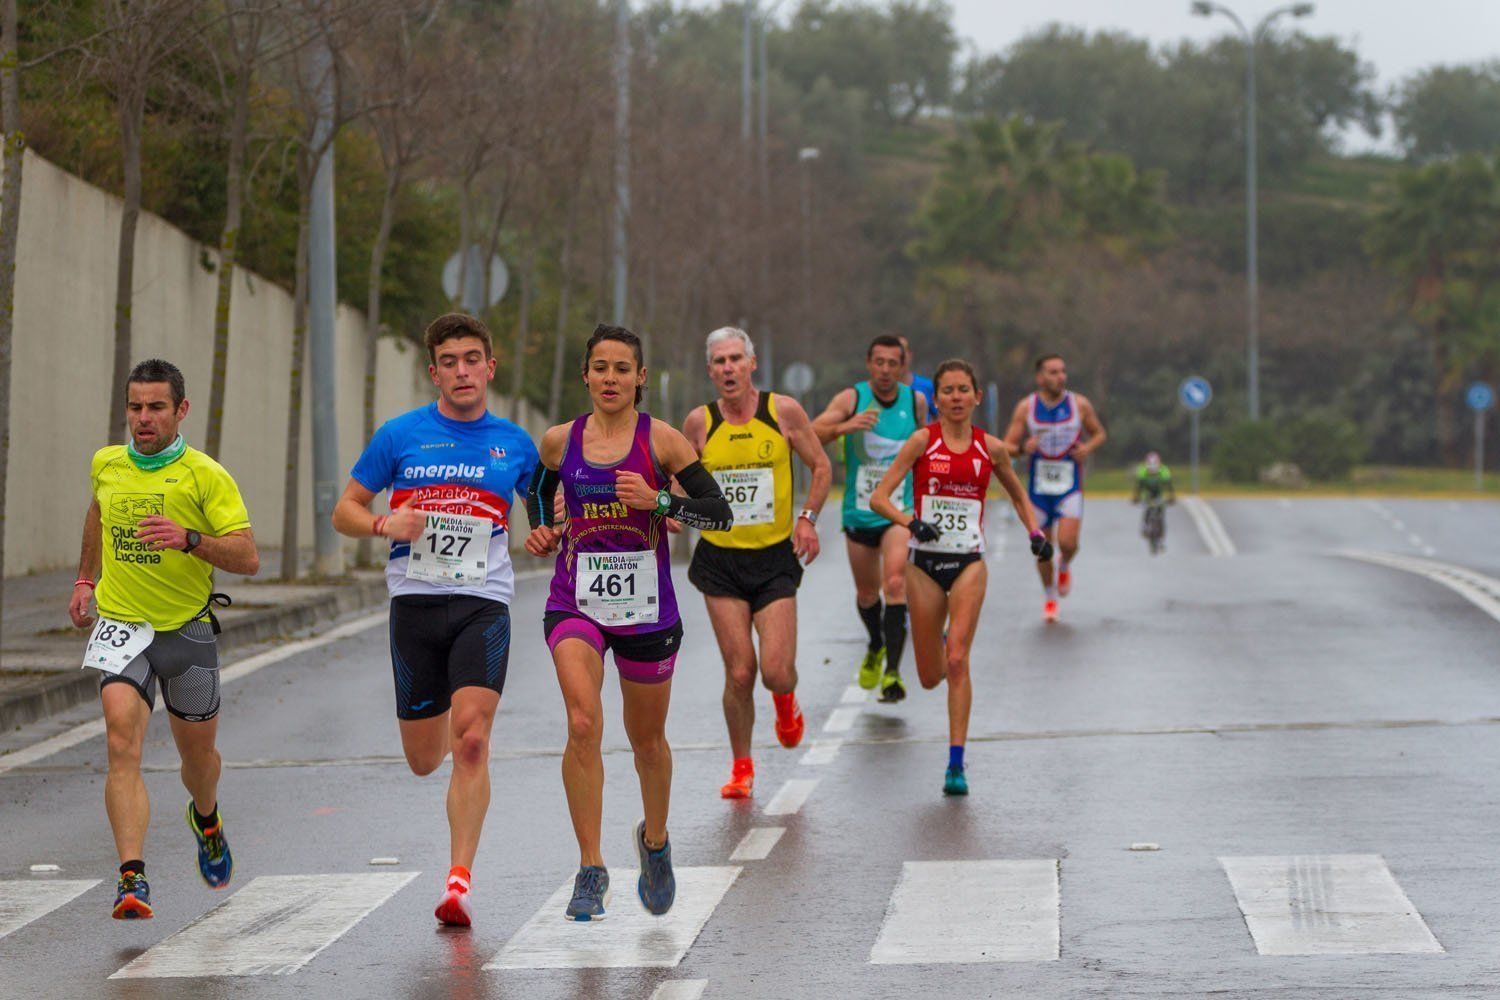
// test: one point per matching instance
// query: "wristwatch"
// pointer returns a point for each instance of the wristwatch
(810, 514)
(194, 539)
(663, 502)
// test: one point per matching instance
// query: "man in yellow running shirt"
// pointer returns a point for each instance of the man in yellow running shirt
(163, 517)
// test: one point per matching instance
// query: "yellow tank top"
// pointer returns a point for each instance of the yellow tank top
(753, 465)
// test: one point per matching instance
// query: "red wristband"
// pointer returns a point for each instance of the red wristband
(87, 583)
(380, 525)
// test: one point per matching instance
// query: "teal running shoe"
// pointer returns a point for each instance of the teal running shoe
(955, 782)
(590, 895)
(657, 886)
(215, 863)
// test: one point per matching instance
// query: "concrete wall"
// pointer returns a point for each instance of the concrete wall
(63, 352)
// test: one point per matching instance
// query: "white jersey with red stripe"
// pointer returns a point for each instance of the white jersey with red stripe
(949, 487)
(465, 470)
(1057, 427)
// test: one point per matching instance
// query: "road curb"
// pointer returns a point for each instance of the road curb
(51, 693)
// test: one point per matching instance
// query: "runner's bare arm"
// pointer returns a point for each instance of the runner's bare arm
(234, 552)
(880, 500)
(804, 441)
(351, 515)
(839, 418)
(695, 428)
(922, 407)
(1092, 426)
(88, 568)
(1015, 434)
(1010, 482)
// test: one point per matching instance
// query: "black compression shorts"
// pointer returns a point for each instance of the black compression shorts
(943, 567)
(440, 643)
(868, 537)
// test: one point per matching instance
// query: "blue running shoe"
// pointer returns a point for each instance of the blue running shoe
(132, 898)
(657, 886)
(955, 782)
(215, 863)
(590, 895)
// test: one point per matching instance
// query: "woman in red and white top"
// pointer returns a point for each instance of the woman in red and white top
(951, 462)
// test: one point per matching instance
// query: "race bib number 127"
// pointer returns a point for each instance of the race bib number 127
(453, 549)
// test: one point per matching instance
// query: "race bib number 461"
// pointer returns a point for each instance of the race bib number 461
(112, 645)
(453, 549)
(617, 588)
(751, 494)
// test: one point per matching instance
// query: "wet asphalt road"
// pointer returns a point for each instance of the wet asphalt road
(1282, 701)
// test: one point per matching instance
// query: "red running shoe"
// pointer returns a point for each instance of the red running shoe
(1049, 610)
(454, 909)
(741, 780)
(790, 725)
(1064, 582)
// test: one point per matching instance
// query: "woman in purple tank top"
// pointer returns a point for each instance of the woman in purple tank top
(612, 591)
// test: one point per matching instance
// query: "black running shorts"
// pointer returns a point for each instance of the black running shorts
(943, 567)
(440, 643)
(756, 576)
(870, 538)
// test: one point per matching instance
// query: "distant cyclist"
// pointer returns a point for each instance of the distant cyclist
(1153, 483)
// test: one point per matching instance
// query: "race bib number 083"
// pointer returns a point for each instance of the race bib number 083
(112, 645)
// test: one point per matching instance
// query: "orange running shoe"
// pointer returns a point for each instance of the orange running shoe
(741, 780)
(790, 725)
(1064, 581)
(453, 909)
(1049, 610)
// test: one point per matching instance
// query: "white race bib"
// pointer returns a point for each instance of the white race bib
(958, 519)
(865, 481)
(453, 549)
(751, 494)
(112, 645)
(617, 588)
(1052, 478)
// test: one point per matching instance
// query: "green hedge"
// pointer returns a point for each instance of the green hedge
(1323, 446)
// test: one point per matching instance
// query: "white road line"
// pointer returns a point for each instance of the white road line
(1480, 590)
(756, 845)
(629, 938)
(23, 902)
(841, 720)
(1209, 527)
(821, 752)
(855, 695)
(236, 671)
(971, 911)
(1332, 904)
(789, 799)
(274, 926)
(1428, 550)
(680, 989)
(1415, 540)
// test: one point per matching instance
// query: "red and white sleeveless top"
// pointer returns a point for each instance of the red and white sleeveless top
(949, 490)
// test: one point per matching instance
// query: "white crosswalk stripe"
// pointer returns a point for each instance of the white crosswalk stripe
(273, 926)
(1330, 904)
(971, 911)
(790, 798)
(680, 989)
(629, 937)
(757, 844)
(22, 902)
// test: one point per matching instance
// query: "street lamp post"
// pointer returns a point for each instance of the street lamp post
(1204, 8)
(805, 156)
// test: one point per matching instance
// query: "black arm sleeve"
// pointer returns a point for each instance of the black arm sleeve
(704, 507)
(540, 494)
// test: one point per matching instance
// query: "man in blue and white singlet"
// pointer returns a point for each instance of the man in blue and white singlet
(452, 468)
(1056, 429)
(874, 418)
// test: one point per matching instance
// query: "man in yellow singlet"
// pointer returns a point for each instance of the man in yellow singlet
(749, 574)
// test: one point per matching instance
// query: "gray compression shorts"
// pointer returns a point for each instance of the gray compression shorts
(186, 661)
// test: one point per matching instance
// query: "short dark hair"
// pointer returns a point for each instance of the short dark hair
(955, 365)
(1046, 358)
(451, 326)
(157, 370)
(604, 332)
(885, 340)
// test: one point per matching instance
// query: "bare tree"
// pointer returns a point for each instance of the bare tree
(13, 149)
(142, 36)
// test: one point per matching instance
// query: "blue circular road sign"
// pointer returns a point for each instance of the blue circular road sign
(1480, 397)
(1195, 392)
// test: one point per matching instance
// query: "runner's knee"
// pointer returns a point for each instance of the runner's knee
(740, 674)
(650, 748)
(471, 748)
(957, 662)
(584, 726)
(895, 585)
(124, 748)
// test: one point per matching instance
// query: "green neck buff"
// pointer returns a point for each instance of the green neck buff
(149, 463)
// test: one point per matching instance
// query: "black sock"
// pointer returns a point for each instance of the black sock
(204, 822)
(871, 617)
(895, 636)
(137, 866)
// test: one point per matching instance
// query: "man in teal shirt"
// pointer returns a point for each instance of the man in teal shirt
(874, 418)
